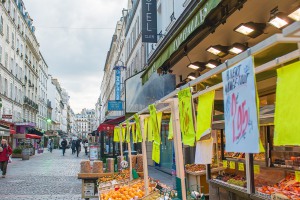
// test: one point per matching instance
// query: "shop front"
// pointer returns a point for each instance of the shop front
(7, 129)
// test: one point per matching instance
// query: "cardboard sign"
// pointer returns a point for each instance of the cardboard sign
(225, 164)
(256, 169)
(240, 108)
(232, 165)
(241, 167)
(297, 176)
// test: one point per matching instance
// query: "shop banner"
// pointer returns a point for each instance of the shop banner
(171, 133)
(186, 117)
(127, 138)
(117, 134)
(240, 107)
(204, 114)
(287, 107)
(138, 128)
(133, 133)
(154, 123)
(118, 84)
(149, 21)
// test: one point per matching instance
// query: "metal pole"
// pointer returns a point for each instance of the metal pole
(144, 151)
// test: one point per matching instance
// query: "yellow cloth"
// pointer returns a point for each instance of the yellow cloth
(156, 152)
(154, 123)
(159, 119)
(186, 117)
(204, 114)
(171, 134)
(123, 134)
(287, 107)
(150, 131)
(139, 137)
(133, 133)
(261, 147)
(146, 120)
(127, 138)
(117, 134)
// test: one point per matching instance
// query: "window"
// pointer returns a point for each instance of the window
(1, 87)
(11, 91)
(7, 33)
(16, 93)
(1, 25)
(0, 54)
(6, 60)
(12, 40)
(5, 87)
(11, 65)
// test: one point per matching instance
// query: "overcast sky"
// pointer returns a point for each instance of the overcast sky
(75, 55)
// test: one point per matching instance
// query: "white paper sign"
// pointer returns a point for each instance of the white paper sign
(240, 109)
(93, 153)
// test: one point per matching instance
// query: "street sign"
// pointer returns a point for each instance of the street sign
(118, 84)
(149, 21)
(6, 116)
(115, 105)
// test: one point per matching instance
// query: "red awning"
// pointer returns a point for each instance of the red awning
(32, 136)
(109, 125)
(12, 131)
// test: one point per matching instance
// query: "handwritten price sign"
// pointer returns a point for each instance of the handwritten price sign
(241, 123)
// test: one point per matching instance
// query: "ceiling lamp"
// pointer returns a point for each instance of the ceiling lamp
(195, 65)
(237, 48)
(251, 29)
(279, 20)
(212, 64)
(192, 76)
(295, 15)
(218, 50)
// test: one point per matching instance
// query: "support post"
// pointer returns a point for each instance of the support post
(180, 173)
(250, 173)
(129, 154)
(121, 141)
(144, 151)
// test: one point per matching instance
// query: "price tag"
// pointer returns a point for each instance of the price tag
(256, 169)
(232, 165)
(297, 176)
(241, 167)
(225, 164)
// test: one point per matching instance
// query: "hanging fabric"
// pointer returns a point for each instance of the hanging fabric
(204, 114)
(127, 138)
(287, 107)
(150, 131)
(133, 131)
(204, 149)
(123, 134)
(139, 137)
(171, 134)
(154, 123)
(117, 134)
(186, 117)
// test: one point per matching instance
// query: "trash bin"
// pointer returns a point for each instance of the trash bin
(25, 154)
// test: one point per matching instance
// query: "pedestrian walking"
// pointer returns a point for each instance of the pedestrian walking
(5, 152)
(50, 145)
(64, 144)
(78, 146)
(73, 146)
(86, 144)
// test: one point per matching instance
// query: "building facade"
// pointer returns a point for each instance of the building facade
(85, 122)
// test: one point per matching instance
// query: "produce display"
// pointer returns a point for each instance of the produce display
(259, 156)
(288, 163)
(119, 160)
(98, 167)
(139, 163)
(133, 161)
(110, 164)
(117, 177)
(233, 179)
(127, 192)
(289, 188)
(194, 167)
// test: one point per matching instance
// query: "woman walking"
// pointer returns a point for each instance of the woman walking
(5, 152)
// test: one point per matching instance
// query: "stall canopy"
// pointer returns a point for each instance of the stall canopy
(33, 131)
(7, 127)
(109, 125)
(32, 136)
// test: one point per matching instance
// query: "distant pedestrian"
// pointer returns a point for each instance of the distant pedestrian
(5, 152)
(64, 144)
(85, 144)
(78, 146)
(50, 145)
(73, 146)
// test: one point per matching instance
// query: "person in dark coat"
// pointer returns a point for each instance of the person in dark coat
(64, 144)
(5, 152)
(73, 146)
(78, 146)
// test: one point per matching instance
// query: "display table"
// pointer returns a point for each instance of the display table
(197, 180)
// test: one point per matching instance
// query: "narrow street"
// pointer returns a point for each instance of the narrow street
(45, 176)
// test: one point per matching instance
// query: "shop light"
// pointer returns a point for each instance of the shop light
(295, 15)
(237, 48)
(218, 50)
(195, 65)
(250, 29)
(192, 76)
(212, 64)
(279, 20)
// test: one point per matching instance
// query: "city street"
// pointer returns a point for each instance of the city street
(44, 176)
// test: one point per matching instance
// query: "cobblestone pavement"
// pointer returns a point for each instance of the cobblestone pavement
(47, 176)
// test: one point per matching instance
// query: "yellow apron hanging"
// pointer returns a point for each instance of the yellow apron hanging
(170, 136)
(204, 114)
(117, 134)
(133, 133)
(186, 117)
(139, 137)
(127, 139)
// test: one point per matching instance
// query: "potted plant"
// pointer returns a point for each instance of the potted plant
(17, 153)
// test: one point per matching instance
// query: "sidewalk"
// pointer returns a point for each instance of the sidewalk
(161, 176)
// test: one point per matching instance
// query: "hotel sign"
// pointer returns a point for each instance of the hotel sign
(149, 21)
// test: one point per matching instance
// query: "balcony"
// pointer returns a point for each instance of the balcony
(31, 103)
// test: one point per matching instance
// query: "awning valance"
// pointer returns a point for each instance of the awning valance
(109, 125)
(32, 136)
(35, 132)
